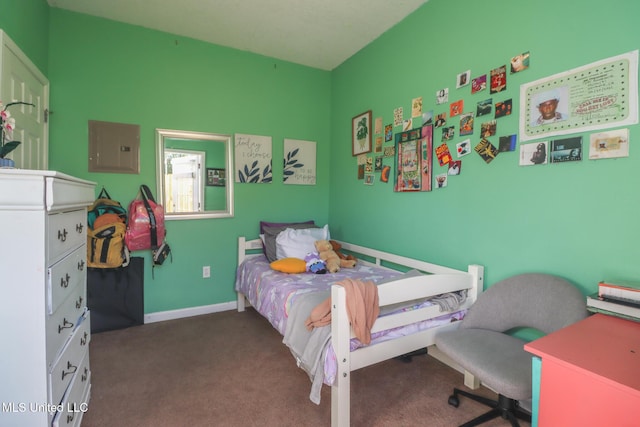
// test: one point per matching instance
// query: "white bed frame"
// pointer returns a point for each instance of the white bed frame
(441, 280)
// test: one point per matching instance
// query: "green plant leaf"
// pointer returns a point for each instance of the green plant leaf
(8, 147)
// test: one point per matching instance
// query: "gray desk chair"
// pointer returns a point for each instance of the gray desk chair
(481, 346)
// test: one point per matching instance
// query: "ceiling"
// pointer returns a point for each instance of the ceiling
(316, 33)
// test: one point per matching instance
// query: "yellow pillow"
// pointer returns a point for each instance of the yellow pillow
(289, 265)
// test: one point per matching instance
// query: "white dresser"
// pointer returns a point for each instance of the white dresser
(45, 378)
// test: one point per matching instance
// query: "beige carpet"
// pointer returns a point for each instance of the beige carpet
(231, 369)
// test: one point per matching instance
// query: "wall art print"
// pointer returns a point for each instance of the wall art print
(600, 95)
(361, 133)
(414, 155)
(253, 159)
(299, 163)
(608, 145)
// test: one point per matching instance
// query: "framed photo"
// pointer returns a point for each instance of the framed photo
(596, 96)
(414, 152)
(216, 177)
(361, 133)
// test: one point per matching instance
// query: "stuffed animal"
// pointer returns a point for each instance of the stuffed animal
(332, 261)
(336, 248)
(330, 258)
(315, 264)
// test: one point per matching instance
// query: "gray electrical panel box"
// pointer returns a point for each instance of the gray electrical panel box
(114, 147)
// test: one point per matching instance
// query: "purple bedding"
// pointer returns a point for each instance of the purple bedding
(271, 293)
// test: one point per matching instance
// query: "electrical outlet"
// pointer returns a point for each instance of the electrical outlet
(206, 272)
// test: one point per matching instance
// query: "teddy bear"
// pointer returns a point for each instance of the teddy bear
(336, 248)
(332, 262)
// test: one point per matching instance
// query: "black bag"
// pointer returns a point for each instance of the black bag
(115, 297)
(160, 255)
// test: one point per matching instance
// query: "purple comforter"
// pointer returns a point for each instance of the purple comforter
(271, 293)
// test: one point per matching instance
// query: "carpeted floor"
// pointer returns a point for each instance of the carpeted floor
(231, 369)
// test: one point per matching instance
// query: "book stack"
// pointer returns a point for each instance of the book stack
(617, 298)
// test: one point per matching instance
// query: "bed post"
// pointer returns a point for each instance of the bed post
(340, 337)
(477, 274)
(241, 255)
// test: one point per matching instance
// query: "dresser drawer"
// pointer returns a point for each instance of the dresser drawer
(64, 194)
(68, 364)
(65, 232)
(75, 401)
(62, 323)
(64, 276)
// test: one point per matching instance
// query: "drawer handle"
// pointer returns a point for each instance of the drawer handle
(62, 235)
(85, 375)
(64, 281)
(65, 324)
(83, 340)
(81, 265)
(79, 302)
(72, 370)
(79, 227)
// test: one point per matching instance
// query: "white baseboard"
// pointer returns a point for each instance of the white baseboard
(161, 316)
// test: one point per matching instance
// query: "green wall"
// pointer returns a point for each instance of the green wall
(27, 24)
(103, 70)
(577, 220)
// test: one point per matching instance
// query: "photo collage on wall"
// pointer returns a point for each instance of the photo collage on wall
(454, 126)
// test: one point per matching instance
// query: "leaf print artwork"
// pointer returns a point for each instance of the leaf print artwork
(299, 162)
(253, 174)
(253, 159)
(290, 164)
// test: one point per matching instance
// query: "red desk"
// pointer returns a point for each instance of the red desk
(590, 374)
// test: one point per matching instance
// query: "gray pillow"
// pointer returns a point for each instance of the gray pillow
(270, 234)
(264, 224)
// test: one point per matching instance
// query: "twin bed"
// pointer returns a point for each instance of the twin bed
(417, 300)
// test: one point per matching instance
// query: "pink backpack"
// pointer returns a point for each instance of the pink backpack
(146, 222)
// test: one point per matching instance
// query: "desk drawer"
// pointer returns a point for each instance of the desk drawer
(64, 276)
(65, 232)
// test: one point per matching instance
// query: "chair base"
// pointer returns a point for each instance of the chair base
(504, 407)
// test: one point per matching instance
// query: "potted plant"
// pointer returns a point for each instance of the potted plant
(7, 125)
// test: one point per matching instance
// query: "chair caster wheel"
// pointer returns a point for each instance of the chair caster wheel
(454, 401)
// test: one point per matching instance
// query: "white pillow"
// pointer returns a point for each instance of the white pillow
(292, 243)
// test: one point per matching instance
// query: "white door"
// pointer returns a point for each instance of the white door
(20, 80)
(184, 189)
